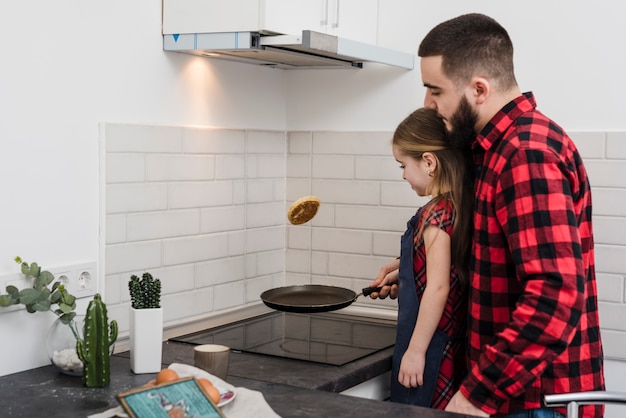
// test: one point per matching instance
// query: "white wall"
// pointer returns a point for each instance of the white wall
(567, 52)
(69, 66)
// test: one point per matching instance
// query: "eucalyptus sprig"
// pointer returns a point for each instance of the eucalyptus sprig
(40, 297)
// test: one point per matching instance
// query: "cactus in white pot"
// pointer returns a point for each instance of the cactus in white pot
(146, 324)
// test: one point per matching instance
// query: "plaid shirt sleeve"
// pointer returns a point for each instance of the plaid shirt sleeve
(530, 287)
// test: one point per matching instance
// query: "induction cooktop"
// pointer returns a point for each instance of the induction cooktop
(328, 338)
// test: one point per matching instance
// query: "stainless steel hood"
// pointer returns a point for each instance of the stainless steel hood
(309, 50)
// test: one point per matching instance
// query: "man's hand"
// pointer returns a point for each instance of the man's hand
(461, 405)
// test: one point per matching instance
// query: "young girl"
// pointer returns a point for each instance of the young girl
(429, 356)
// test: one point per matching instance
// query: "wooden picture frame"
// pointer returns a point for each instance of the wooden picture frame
(178, 399)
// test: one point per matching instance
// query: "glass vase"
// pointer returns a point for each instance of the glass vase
(61, 345)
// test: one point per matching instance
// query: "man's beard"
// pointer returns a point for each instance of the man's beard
(463, 124)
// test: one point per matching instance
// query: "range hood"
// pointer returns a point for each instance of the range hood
(309, 50)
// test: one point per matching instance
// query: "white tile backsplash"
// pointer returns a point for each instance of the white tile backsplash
(205, 210)
(165, 167)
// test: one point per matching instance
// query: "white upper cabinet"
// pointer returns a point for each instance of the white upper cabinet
(351, 19)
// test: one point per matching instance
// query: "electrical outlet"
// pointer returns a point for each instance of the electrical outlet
(78, 279)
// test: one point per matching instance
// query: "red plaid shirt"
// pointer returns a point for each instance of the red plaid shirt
(533, 313)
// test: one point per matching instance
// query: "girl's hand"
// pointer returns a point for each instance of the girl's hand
(387, 277)
(411, 374)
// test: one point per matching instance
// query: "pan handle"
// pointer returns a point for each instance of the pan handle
(369, 290)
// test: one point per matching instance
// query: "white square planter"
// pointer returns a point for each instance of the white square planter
(146, 340)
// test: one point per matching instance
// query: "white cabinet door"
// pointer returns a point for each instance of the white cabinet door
(351, 19)
(354, 19)
(291, 17)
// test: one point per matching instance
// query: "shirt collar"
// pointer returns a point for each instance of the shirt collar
(502, 120)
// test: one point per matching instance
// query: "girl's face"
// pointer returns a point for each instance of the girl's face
(415, 171)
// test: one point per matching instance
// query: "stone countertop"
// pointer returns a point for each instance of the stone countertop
(287, 385)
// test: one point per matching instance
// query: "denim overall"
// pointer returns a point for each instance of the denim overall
(408, 307)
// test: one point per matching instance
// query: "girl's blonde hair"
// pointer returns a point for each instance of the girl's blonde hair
(424, 131)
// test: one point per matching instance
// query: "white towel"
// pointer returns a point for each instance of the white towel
(245, 404)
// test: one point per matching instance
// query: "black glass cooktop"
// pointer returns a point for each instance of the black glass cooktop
(328, 338)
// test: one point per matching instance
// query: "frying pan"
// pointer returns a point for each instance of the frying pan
(310, 298)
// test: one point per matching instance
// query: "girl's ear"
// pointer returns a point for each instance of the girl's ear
(430, 160)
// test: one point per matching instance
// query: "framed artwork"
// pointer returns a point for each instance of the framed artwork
(183, 398)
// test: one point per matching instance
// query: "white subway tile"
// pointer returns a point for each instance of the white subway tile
(325, 215)
(265, 239)
(160, 167)
(319, 262)
(124, 198)
(271, 166)
(616, 145)
(589, 144)
(270, 262)
(299, 142)
(609, 230)
(174, 279)
(372, 218)
(333, 167)
(124, 168)
(355, 266)
(120, 314)
(298, 261)
(222, 218)
(612, 315)
(213, 141)
(280, 190)
(177, 306)
(165, 224)
(352, 143)
(258, 285)
(113, 289)
(610, 258)
(239, 192)
(298, 166)
(236, 243)
(203, 301)
(610, 287)
(115, 229)
(351, 192)
(121, 258)
(259, 191)
(344, 282)
(609, 202)
(230, 167)
(296, 188)
(298, 237)
(194, 248)
(378, 168)
(142, 139)
(613, 343)
(265, 214)
(250, 261)
(387, 243)
(342, 240)
(229, 295)
(262, 142)
(223, 270)
(294, 279)
(200, 194)
(606, 173)
(400, 194)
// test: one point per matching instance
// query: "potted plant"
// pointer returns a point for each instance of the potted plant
(88, 356)
(64, 332)
(146, 324)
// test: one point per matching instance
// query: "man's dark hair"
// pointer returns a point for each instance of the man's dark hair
(472, 45)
